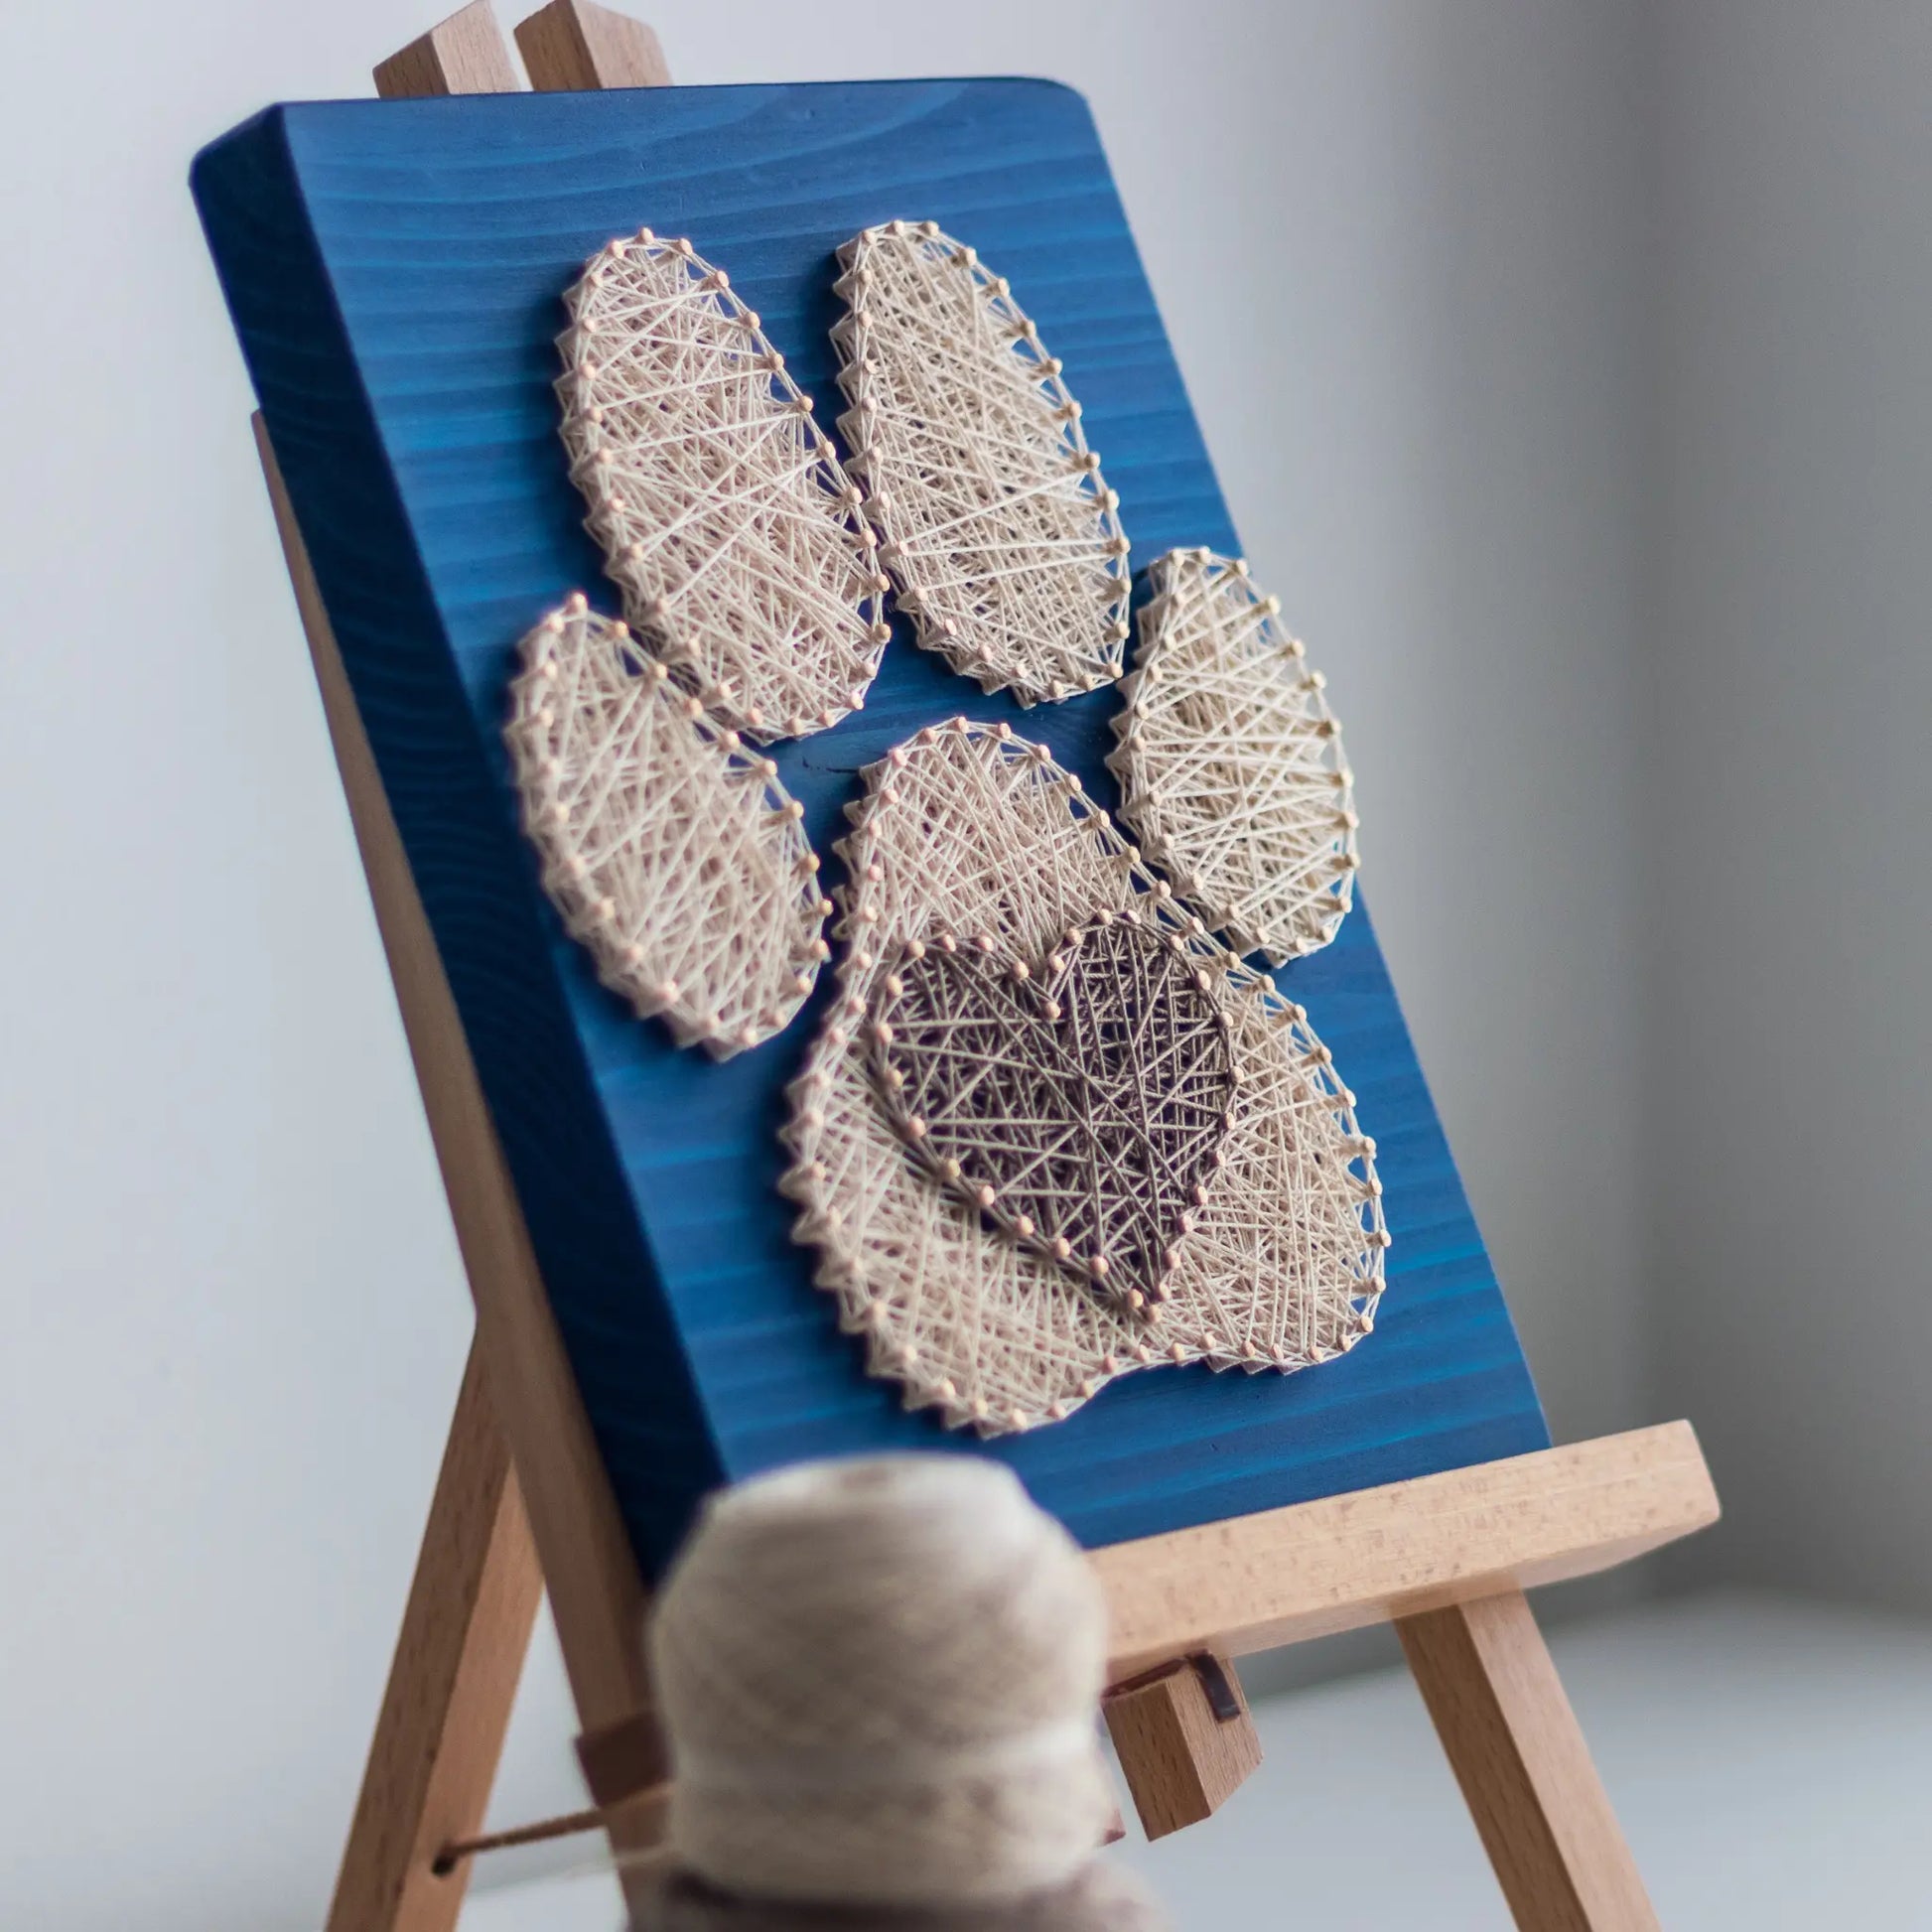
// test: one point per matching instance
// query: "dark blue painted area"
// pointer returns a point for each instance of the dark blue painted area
(395, 272)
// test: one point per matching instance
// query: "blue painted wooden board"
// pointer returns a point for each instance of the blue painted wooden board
(395, 272)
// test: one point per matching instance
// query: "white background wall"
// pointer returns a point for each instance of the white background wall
(1621, 634)
(1789, 776)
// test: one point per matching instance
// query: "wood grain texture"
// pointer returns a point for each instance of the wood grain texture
(1526, 1773)
(465, 1634)
(464, 54)
(597, 1594)
(1284, 1575)
(1182, 1760)
(395, 272)
(623, 1761)
(578, 44)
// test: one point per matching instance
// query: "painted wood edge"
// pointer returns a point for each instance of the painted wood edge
(463, 55)
(465, 1631)
(1281, 1575)
(1525, 1770)
(578, 45)
(596, 1593)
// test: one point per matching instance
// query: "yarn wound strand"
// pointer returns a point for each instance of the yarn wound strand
(878, 1678)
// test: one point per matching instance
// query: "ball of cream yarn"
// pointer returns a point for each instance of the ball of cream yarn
(877, 1680)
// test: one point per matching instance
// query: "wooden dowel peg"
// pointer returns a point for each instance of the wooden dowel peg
(543, 1832)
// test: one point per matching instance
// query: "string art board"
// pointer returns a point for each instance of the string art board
(396, 272)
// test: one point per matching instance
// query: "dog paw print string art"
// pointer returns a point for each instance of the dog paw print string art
(1054, 1128)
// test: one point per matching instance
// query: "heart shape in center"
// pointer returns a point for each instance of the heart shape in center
(1079, 1104)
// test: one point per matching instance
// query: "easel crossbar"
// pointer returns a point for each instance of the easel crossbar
(569, 1825)
(1255, 1583)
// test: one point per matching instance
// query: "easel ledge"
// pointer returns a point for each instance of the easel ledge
(1255, 1583)
(523, 1503)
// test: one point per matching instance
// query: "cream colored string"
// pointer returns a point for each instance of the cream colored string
(725, 517)
(879, 1681)
(1230, 761)
(672, 852)
(1000, 530)
(970, 829)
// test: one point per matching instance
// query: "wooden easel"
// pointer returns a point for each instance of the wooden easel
(523, 1503)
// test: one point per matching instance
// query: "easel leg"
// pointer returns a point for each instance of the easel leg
(464, 1638)
(1525, 1770)
(478, 1580)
